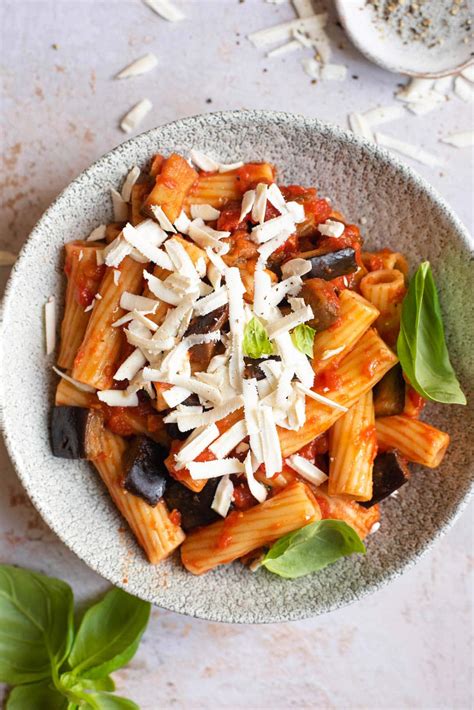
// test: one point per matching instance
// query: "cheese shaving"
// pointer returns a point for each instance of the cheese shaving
(319, 398)
(162, 219)
(97, 234)
(311, 67)
(187, 421)
(130, 181)
(137, 240)
(248, 200)
(214, 300)
(182, 223)
(306, 469)
(250, 396)
(459, 140)
(286, 48)
(331, 228)
(120, 207)
(228, 167)
(166, 9)
(260, 203)
(282, 32)
(383, 114)
(116, 251)
(204, 162)
(286, 323)
(130, 302)
(175, 395)
(139, 66)
(195, 445)
(222, 446)
(276, 198)
(223, 496)
(118, 398)
(79, 385)
(50, 325)
(411, 151)
(333, 72)
(206, 212)
(256, 488)
(275, 227)
(360, 126)
(270, 442)
(296, 267)
(135, 116)
(129, 368)
(117, 275)
(159, 290)
(200, 470)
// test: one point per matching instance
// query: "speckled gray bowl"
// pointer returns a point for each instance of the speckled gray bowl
(400, 211)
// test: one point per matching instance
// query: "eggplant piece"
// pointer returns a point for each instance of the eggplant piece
(324, 302)
(68, 432)
(195, 508)
(389, 393)
(330, 265)
(146, 474)
(253, 369)
(215, 320)
(389, 474)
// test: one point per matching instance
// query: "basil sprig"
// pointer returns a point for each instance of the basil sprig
(311, 548)
(256, 342)
(421, 343)
(50, 664)
(303, 338)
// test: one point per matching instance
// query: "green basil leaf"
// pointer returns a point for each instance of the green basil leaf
(105, 701)
(256, 342)
(109, 634)
(35, 696)
(303, 337)
(311, 548)
(36, 625)
(70, 681)
(421, 344)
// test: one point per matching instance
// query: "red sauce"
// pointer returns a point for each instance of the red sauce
(324, 506)
(87, 283)
(328, 380)
(175, 517)
(249, 175)
(228, 220)
(416, 403)
(314, 448)
(243, 499)
(225, 538)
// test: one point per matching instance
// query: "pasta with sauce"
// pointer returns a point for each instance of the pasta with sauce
(228, 364)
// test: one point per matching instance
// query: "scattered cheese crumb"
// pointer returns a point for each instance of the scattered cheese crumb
(223, 496)
(50, 324)
(135, 116)
(459, 140)
(120, 207)
(139, 66)
(97, 234)
(166, 9)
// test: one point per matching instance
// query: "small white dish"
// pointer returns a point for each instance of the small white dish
(448, 46)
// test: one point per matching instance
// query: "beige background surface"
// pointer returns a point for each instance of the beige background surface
(410, 645)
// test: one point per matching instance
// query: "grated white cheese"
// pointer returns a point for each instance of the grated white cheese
(195, 445)
(275, 227)
(303, 8)
(459, 140)
(130, 181)
(130, 302)
(228, 167)
(270, 441)
(99, 257)
(116, 251)
(248, 201)
(97, 234)
(286, 48)
(296, 267)
(79, 385)
(222, 446)
(214, 300)
(286, 323)
(206, 212)
(256, 488)
(223, 496)
(182, 262)
(306, 469)
(166, 9)
(415, 90)
(293, 357)
(282, 32)
(276, 198)
(250, 396)
(138, 240)
(290, 286)
(262, 286)
(267, 249)
(135, 116)
(319, 398)
(204, 162)
(118, 398)
(360, 126)
(333, 72)
(331, 228)
(297, 211)
(411, 151)
(129, 368)
(311, 67)
(162, 219)
(468, 73)
(159, 290)
(260, 204)
(120, 207)
(182, 223)
(463, 89)
(383, 114)
(7, 258)
(117, 275)
(444, 84)
(50, 325)
(235, 292)
(375, 527)
(420, 108)
(207, 237)
(139, 66)
(191, 420)
(200, 470)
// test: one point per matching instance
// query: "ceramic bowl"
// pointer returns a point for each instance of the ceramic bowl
(380, 41)
(397, 208)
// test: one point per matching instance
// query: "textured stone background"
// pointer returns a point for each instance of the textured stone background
(410, 645)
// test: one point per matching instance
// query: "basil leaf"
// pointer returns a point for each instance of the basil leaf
(69, 681)
(311, 548)
(303, 337)
(35, 696)
(105, 701)
(421, 344)
(256, 342)
(109, 634)
(36, 625)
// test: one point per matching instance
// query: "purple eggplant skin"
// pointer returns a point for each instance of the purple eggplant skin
(389, 393)
(195, 508)
(332, 264)
(146, 474)
(68, 432)
(389, 474)
(208, 323)
(252, 368)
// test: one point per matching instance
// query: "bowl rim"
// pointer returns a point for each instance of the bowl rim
(321, 127)
(372, 56)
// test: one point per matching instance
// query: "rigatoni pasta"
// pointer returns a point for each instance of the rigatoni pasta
(233, 374)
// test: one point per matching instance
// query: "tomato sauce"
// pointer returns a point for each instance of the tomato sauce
(175, 517)
(328, 380)
(242, 498)
(225, 538)
(324, 506)
(415, 404)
